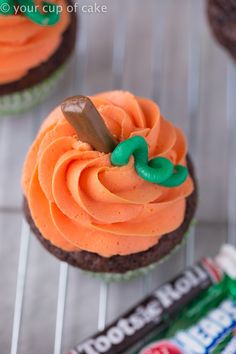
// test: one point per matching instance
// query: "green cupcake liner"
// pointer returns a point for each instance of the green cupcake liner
(24, 100)
(131, 274)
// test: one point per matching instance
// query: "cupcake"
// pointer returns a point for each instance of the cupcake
(34, 49)
(222, 19)
(108, 184)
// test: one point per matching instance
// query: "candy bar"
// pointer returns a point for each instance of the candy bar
(152, 316)
(89, 125)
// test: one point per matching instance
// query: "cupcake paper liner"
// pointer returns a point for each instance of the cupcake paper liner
(24, 100)
(131, 274)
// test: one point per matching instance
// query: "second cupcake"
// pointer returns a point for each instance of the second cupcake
(34, 48)
(221, 15)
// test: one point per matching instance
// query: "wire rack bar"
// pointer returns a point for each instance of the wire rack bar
(194, 48)
(119, 47)
(79, 82)
(231, 120)
(102, 310)
(78, 74)
(20, 285)
(147, 283)
(158, 35)
(158, 44)
(61, 301)
(117, 82)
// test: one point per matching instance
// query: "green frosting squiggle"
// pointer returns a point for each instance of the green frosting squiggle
(159, 170)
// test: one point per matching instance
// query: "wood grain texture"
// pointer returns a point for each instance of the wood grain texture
(142, 46)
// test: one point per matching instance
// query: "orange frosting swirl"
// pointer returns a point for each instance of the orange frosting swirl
(79, 201)
(25, 44)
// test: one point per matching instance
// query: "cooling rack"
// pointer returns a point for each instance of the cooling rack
(194, 81)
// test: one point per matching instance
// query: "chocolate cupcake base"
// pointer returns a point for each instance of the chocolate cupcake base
(222, 19)
(122, 264)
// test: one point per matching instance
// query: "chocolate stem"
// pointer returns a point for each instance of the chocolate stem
(89, 125)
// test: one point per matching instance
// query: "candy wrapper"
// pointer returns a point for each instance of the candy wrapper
(206, 325)
(193, 313)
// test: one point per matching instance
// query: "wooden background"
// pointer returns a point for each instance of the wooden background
(156, 48)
